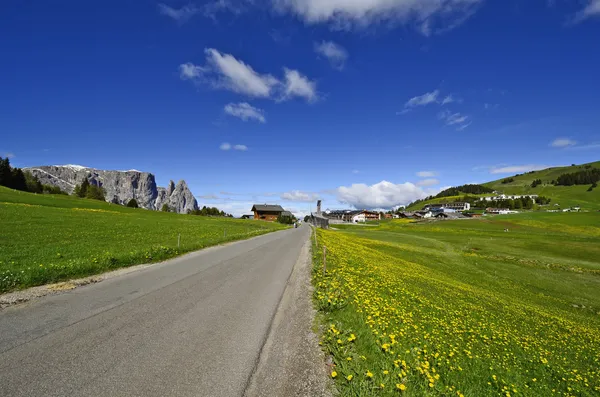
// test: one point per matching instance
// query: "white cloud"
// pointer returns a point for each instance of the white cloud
(8, 155)
(229, 146)
(422, 100)
(516, 169)
(181, 15)
(426, 174)
(245, 111)
(428, 182)
(592, 9)
(189, 71)
(426, 15)
(563, 142)
(355, 171)
(298, 85)
(457, 119)
(297, 195)
(448, 99)
(380, 195)
(224, 71)
(464, 126)
(225, 146)
(336, 54)
(242, 148)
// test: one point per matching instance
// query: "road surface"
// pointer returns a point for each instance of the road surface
(192, 326)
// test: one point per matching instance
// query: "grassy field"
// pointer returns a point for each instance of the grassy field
(565, 196)
(48, 238)
(463, 308)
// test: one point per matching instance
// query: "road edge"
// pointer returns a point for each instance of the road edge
(9, 299)
(291, 362)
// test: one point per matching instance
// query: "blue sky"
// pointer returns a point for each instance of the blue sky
(364, 103)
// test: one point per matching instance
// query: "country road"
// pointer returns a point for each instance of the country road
(192, 326)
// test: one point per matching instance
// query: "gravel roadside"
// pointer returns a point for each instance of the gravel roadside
(291, 362)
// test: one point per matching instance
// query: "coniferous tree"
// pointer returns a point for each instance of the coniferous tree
(95, 193)
(33, 184)
(82, 189)
(18, 181)
(5, 172)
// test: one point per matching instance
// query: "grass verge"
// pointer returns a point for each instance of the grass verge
(46, 238)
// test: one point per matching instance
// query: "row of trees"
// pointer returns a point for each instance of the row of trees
(209, 211)
(89, 191)
(583, 177)
(468, 189)
(16, 178)
(536, 182)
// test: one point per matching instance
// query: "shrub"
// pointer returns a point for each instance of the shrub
(132, 203)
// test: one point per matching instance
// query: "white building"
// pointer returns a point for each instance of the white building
(510, 197)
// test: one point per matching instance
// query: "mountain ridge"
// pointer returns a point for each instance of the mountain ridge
(120, 186)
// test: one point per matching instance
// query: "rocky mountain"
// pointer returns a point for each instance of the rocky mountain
(120, 186)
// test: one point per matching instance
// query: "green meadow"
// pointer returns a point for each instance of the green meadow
(564, 196)
(505, 305)
(49, 238)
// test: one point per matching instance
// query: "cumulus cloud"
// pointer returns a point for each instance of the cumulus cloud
(297, 195)
(427, 15)
(426, 174)
(592, 9)
(189, 71)
(563, 142)
(428, 182)
(245, 111)
(297, 85)
(180, 15)
(380, 195)
(229, 146)
(515, 169)
(336, 54)
(422, 100)
(224, 71)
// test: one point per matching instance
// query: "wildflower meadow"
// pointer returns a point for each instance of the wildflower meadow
(462, 308)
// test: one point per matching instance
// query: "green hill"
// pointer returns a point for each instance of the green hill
(565, 196)
(49, 238)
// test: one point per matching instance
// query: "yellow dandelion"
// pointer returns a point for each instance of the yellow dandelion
(349, 377)
(400, 386)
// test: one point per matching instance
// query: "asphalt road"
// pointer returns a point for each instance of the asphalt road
(192, 326)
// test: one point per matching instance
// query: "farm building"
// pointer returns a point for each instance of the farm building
(449, 215)
(267, 212)
(444, 207)
(497, 211)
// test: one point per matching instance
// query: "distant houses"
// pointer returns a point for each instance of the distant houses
(498, 211)
(509, 197)
(351, 216)
(448, 207)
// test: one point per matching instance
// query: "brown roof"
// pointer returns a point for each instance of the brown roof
(267, 208)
